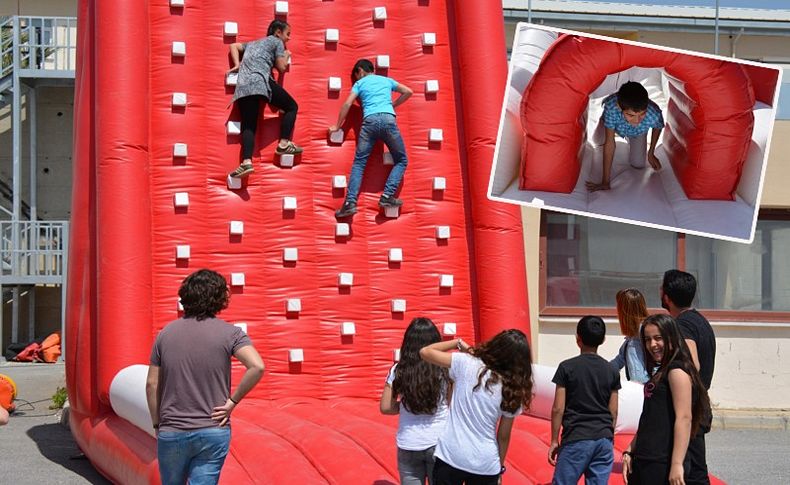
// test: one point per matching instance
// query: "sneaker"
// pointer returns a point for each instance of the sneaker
(242, 171)
(290, 149)
(389, 201)
(348, 209)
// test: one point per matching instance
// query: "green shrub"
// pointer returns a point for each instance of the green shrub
(59, 398)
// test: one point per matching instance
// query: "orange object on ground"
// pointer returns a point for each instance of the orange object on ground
(7, 392)
(50, 348)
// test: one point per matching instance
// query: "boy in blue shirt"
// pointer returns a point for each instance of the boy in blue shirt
(585, 404)
(378, 123)
(630, 114)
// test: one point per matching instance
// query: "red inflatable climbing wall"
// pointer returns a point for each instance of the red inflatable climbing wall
(142, 101)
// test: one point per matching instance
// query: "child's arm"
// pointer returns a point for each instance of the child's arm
(281, 62)
(236, 51)
(439, 352)
(613, 403)
(152, 393)
(608, 155)
(341, 117)
(503, 437)
(627, 459)
(557, 411)
(388, 403)
(655, 133)
(619, 359)
(680, 386)
(405, 93)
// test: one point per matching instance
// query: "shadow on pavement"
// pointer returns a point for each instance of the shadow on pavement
(56, 444)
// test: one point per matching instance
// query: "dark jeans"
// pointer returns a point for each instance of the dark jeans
(249, 108)
(444, 474)
(375, 127)
(196, 456)
(591, 458)
(697, 471)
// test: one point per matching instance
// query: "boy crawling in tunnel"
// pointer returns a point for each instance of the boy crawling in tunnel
(630, 114)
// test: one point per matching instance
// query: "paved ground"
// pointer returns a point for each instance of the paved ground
(36, 448)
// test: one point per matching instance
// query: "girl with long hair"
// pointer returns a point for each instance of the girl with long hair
(675, 404)
(255, 86)
(631, 310)
(418, 393)
(492, 384)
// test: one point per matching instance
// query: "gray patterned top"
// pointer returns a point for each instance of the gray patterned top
(256, 67)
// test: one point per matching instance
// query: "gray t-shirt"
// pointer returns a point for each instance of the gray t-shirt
(194, 375)
(255, 70)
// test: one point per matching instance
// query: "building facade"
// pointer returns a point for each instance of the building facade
(743, 289)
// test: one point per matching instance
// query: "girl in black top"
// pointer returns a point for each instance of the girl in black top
(675, 403)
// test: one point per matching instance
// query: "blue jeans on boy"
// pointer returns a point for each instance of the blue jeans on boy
(592, 458)
(379, 126)
(196, 455)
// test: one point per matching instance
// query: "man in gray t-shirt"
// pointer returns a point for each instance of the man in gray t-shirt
(188, 385)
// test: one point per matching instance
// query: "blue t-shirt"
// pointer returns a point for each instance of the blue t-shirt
(375, 94)
(613, 118)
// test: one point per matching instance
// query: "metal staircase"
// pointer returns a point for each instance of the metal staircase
(34, 52)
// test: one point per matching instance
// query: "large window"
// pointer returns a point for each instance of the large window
(740, 277)
(585, 261)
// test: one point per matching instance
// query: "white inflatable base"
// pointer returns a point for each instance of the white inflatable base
(128, 400)
(127, 397)
(629, 400)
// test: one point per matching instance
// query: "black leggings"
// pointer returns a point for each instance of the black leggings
(249, 107)
(446, 474)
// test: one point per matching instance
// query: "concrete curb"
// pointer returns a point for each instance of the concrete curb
(769, 419)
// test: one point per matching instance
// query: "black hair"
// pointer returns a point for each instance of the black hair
(420, 385)
(363, 64)
(277, 25)
(203, 294)
(676, 350)
(633, 96)
(680, 287)
(507, 359)
(591, 330)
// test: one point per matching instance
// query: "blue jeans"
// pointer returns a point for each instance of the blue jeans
(196, 456)
(379, 126)
(593, 458)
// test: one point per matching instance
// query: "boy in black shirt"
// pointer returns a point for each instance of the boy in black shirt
(585, 403)
(677, 294)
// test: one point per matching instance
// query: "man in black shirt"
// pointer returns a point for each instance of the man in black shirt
(585, 402)
(677, 293)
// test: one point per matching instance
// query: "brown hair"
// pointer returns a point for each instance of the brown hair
(508, 359)
(631, 310)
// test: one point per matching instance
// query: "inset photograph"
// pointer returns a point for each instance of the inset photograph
(635, 133)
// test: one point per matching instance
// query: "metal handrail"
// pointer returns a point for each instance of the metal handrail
(41, 250)
(6, 46)
(43, 43)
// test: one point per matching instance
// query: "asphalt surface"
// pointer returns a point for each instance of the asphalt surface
(36, 448)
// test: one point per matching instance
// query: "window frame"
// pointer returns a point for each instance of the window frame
(545, 310)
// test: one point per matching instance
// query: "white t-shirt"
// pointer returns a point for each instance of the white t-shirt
(469, 439)
(417, 432)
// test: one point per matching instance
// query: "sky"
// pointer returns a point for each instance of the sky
(771, 4)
